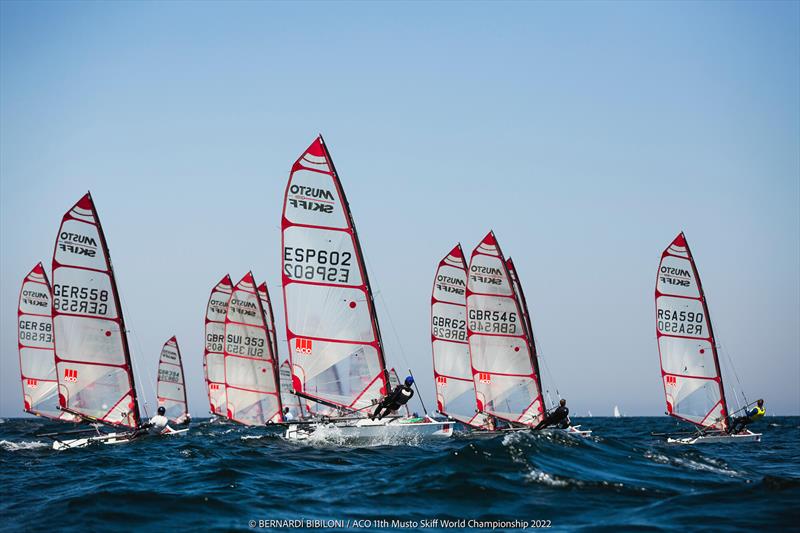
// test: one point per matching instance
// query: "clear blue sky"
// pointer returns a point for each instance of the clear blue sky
(587, 135)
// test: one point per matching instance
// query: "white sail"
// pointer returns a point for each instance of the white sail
(689, 363)
(36, 349)
(617, 414)
(452, 371)
(214, 356)
(95, 375)
(170, 386)
(251, 373)
(269, 317)
(331, 327)
(501, 353)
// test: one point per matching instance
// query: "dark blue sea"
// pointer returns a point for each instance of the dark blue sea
(222, 477)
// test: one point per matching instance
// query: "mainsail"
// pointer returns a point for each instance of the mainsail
(501, 351)
(689, 363)
(214, 356)
(455, 389)
(37, 362)
(171, 387)
(526, 315)
(251, 370)
(93, 363)
(331, 327)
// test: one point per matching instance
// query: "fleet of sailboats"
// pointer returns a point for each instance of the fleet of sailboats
(76, 364)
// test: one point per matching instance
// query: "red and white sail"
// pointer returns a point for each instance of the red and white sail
(689, 364)
(296, 404)
(214, 352)
(331, 326)
(503, 367)
(37, 361)
(269, 317)
(526, 315)
(455, 389)
(93, 364)
(251, 370)
(171, 385)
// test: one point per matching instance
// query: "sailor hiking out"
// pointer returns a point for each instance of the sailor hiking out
(158, 424)
(394, 400)
(558, 418)
(738, 424)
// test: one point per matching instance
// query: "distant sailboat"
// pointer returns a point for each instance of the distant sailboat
(617, 413)
(690, 369)
(214, 348)
(170, 385)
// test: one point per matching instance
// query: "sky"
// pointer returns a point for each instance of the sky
(585, 134)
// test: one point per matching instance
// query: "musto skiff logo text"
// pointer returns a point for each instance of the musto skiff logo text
(78, 244)
(675, 276)
(450, 284)
(488, 275)
(311, 198)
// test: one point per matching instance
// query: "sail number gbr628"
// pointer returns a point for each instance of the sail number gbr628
(317, 265)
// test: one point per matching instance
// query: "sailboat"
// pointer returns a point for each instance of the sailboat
(617, 413)
(690, 369)
(455, 389)
(93, 361)
(251, 368)
(332, 329)
(503, 355)
(214, 348)
(37, 361)
(170, 384)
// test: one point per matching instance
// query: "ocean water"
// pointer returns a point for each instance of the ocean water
(223, 477)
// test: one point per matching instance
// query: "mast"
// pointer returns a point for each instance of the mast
(690, 369)
(91, 342)
(506, 384)
(335, 346)
(359, 256)
(520, 294)
(269, 317)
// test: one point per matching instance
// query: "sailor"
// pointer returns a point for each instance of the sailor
(751, 416)
(393, 401)
(184, 419)
(158, 424)
(287, 415)
(558, 418)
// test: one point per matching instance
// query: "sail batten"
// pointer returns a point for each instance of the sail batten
(332, 330)
(502, 353)
(251, 375)
(452, 372)
(93, 363)
(690, 369)
(171, 382)
(214, 349)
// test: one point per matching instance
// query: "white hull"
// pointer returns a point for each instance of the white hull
(746, 436)
(388, 430)
(575, 431)
(108, 438)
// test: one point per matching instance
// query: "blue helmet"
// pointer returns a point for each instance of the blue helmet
(409, 381)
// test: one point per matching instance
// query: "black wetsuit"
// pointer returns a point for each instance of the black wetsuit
(393, 401)
(558, 418)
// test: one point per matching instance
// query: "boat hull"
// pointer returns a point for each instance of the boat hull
(747, 436)
(389, 431)
(110, 438)
(575, 431)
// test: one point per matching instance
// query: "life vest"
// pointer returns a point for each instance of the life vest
(760, 411)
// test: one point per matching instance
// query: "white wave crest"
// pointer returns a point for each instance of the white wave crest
(24, 445)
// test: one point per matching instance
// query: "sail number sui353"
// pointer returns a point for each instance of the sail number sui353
(246, 346)
(317, 265)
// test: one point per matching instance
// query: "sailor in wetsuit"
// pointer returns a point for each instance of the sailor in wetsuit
(738, 424)
(558, 418)
(393, 401)
(158, 424)
(287, 415)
